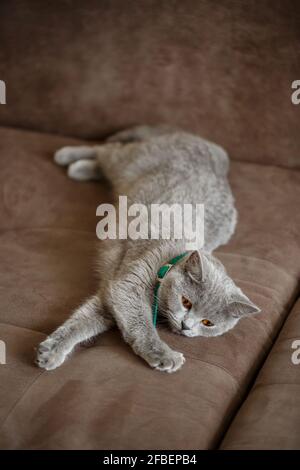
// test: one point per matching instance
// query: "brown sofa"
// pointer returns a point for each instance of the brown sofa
(78, 70)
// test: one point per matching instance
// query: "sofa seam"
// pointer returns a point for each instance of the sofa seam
(272, 384)
(102, 139)
(23, 328)
(32, 229)
(20, 398)
(235, 254)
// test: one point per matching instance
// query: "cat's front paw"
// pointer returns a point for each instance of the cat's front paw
(167, 361)
(50, 354)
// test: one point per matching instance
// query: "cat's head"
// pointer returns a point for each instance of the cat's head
(199, 299)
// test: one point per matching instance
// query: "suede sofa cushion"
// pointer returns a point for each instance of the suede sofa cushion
(222, 69)
(105, 396)
(270, 417)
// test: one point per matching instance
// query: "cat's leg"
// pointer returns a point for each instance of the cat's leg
(133, 316)
(85, 170)
(67, 155)
(147, 344)
(84, 163)
(140, 133)
(86, 322)
(220, 158)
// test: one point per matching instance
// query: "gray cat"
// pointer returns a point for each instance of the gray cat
(196, 296)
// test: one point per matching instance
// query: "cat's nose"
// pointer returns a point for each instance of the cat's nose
(184, 326)
(187, 323)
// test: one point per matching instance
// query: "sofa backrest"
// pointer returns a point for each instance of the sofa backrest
(221, 69)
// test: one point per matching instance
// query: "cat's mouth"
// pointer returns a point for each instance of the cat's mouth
(188, 333)
(180, 331)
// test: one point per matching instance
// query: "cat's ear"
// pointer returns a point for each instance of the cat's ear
(240, 305)
(194, 266)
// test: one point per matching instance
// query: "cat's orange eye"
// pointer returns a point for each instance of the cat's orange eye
(186, 303)
(207, 322)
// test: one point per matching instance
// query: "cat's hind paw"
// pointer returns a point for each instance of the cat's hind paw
(64, 156)
(84, 170)
(67, 155)
(50, 354)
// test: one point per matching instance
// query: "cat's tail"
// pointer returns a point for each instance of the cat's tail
(141, 133)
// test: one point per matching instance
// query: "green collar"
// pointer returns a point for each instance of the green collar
(163, 270)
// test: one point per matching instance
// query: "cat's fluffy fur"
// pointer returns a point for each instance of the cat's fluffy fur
(155, 165)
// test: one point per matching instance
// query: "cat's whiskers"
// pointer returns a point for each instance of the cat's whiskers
(167, 314)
